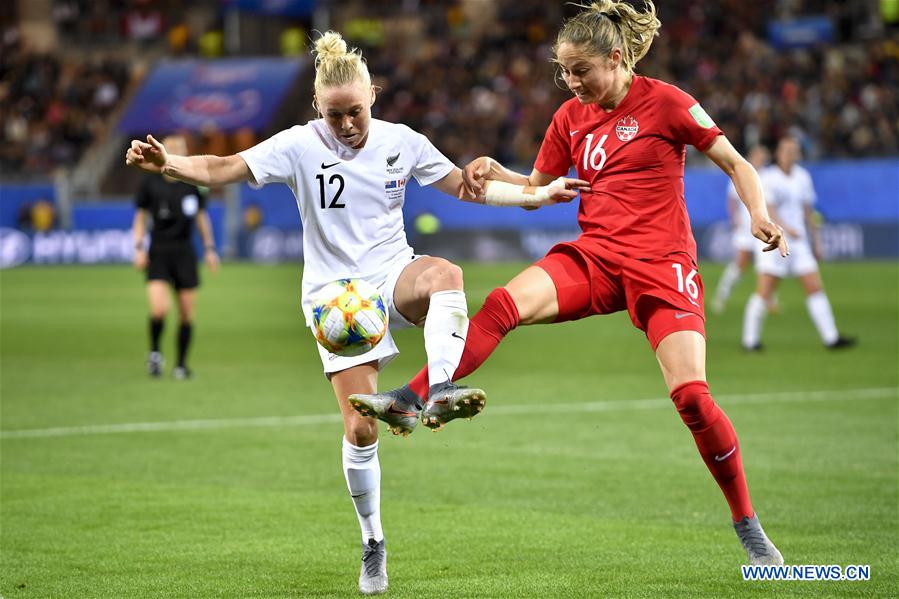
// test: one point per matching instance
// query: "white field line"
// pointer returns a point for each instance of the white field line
(510, 410)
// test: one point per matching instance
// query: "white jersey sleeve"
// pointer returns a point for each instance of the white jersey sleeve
(275, 159)
(430, 163)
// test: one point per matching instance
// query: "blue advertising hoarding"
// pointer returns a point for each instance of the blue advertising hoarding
(859, 201)
(848, 191)
(227, 94)
(801, 32)
(17, 199)
(289, 8)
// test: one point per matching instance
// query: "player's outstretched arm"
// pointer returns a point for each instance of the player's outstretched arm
(480, 170)
(208, 171)
(561, 189)
(749, 188)
(500, 193)
(491, 183)
(454, 185)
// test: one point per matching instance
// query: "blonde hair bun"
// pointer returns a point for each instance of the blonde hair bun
(329, 46)
(336, 64)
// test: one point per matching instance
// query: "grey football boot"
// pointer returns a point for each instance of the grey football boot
(448, 401)
(399, 408)
(373, 575)
(758, 546)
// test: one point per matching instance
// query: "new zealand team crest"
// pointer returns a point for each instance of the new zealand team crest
(626, 128)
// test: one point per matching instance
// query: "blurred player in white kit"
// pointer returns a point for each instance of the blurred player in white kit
(791, 198)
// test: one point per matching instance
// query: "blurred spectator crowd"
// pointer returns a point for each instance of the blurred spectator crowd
(52, 106)
(475, 75)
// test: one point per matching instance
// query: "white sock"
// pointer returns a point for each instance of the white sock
(753, 317)
(445, 329)
(822, 315)
(729, 278)
(363, 478)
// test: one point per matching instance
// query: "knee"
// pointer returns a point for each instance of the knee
(695, 405)
(442, 275)
(813, 288)
(360, 431)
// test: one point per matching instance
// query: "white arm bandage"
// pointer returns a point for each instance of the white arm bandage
(500, 193)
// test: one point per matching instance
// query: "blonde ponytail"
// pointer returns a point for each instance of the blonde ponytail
(335, 65)
(607, 24)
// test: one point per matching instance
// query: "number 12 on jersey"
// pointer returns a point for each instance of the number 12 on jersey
(321, 188)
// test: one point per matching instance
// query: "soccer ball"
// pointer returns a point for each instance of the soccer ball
(349, 317)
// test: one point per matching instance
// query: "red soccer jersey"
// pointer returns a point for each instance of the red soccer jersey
(633, 158)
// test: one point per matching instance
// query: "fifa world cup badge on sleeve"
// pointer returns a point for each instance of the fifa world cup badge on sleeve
(701, 116)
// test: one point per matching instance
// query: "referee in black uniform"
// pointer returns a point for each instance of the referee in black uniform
(173, 207)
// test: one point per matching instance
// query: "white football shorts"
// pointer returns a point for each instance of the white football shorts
(801, 260)
(386, 350)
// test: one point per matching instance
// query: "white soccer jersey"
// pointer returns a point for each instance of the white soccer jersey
(789, 194)
(350, 201)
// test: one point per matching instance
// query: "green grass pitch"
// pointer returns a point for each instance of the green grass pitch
(566, 485)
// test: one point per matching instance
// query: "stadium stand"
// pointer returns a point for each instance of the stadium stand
(476, 77)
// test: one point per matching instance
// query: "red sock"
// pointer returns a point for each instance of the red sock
(717, 443)
(486, 329)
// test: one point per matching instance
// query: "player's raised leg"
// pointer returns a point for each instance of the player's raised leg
(681, 356)
(428, 292)
(529, 298)
(362, 471)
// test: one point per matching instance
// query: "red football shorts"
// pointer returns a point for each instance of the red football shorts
(662, 295)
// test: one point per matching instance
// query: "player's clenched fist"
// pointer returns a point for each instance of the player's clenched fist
(149, 156)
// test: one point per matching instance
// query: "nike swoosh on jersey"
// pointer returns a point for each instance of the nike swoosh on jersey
(324, 166)
(679, 315)
(573, 133)
(457, 335)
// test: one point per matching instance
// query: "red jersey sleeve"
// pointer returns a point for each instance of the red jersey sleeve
(554, 157)
(687, 122)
